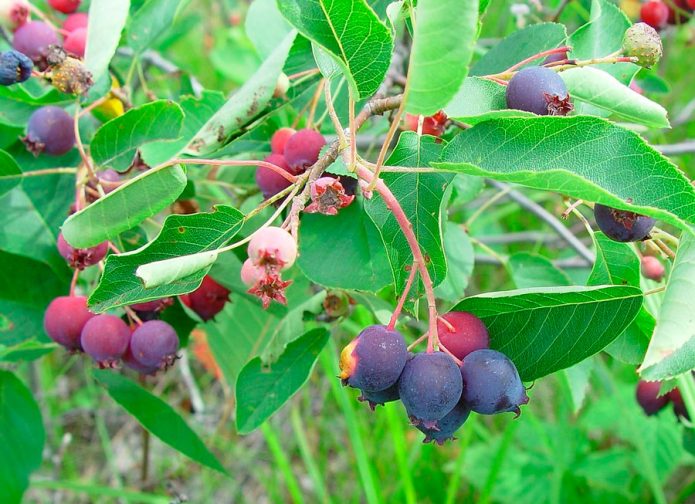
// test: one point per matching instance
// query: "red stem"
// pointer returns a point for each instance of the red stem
(233, 162)
(401, 301)
(73, 282)
(542, 54)
(407, 229)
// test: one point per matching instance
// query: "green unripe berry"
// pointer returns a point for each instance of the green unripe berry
(643, 42)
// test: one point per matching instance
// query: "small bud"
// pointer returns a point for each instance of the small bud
(72, 77)
(643, 42)
(14, 68)
(652, 268)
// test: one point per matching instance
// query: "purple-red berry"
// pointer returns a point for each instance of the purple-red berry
(538, 90)
(555, 57)
(33, 39)
(15, 67)
(81, 258)
(64, 320)
(462, 333)
(269, 182)
(491, 383)
(154, 344)
(132, 363)
(621, 225)
(50, 131)
(652, 268)
(273, 247)
(679, 407)
(374, 360)
(648, 397)
(303, 148)
(207, 300)
(65, 6)
(105, 338)
(157, 305)
(279, 140)
(430, 386)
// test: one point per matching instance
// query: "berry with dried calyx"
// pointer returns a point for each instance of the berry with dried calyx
(374, 360)
(652, 268)
(644, 43)
(303, 148)
(135, 365)
(15, 67)
(71, 76)
(380, 397)
(430, 386)
(50, 130)
(34, 39)
(269, 182)
(105, 338)
(328, 196)
(270, 288)
(64, 320)
(273, 247)
(279, 140)
(622, 225)
(207, 300)
(462, 333)
(491, 383)
(251, 274)
(154, 344)
(447, 425)
(538, 90)
(81, 258)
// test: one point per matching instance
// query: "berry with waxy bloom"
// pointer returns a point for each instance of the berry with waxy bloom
(269, 181)
(105, 338)
(64, 320)
(303, 148)
(279, 140)
(447, 425)
(33, 39)
(50, 130)
(154, 344)
(81, 258)
(539, 90)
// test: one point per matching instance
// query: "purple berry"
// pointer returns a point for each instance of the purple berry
(373, 361)
(50, 130)
(303, 148)
(430, 387)
(33, 40)
(133, 364)
(621, 225)
(105, 338)
(447, 425)
(64, 320)
(14, 67)
(648, 397)
(538, 90)
(154, 344)
(269, 182)
(462, 333)
(81, 258)
(491, 383)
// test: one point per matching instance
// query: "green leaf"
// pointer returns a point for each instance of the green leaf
(126, 207)
(151, 20)
(443, 44)
(583, 157)
(265, 26)
(17, 103)
(117, 141)
(261, 392)
(577, 377)
(601, 36)
(21, 435)
(617, 264)
(532, 270)
(350, 31)
(343, 251)
(25, 291)
(479, 100)
(27, 350)
(106, 21)
(167, 271)
(604, 91)
(459, 253)
(422, 197)
(548, 329)
(672, 348)
(157, 417)
(244, 105)
(10, 173)
(180, 235)
(518, 46)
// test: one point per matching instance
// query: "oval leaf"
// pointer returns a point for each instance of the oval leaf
(10, 173)
(151, 20)
(106, 21)
(157, 417)
(545, 330)
(168, 271)
(583, 157)
(443, 44)
(261, 392)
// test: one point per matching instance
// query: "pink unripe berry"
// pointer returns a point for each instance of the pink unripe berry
(64, 320)
(273, 246)
(81, 258)
(652, 268)
(75, 21)
(251, 274)
(303, 148)
(105, 338)
(65, 6)
(75, 42)
(279, 139)
(13, 13)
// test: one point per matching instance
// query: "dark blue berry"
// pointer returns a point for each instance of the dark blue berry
(447, 425)
(621, 225)
(538, 90)
(15, 67)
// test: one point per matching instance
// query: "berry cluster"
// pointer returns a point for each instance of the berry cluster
(651, 402)
(438, 389)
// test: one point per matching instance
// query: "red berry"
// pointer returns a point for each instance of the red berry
(81, 258)
(64, 320)
(655, 14)
(303, 148)
(75, 21)
(652, 268)
(648, 397)
(75, 42)
(270, 182)
(279, 140)
(273, 247)
(691, 4)
(207, 300)
(431, 125)
(105, 338)
(462, 333)
(65, 6)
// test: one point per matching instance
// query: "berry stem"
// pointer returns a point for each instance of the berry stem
(664, 248)
(407, 229)
(418, 341)
(654, 291)
(46, 171)
(304, 73)
(73, 282)
(539, 55)
(315, 102)
(80, 147)
(132, 315)
(446, 351)
(230, 162)
(387, 142)
(610, 59)
(404, 295)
